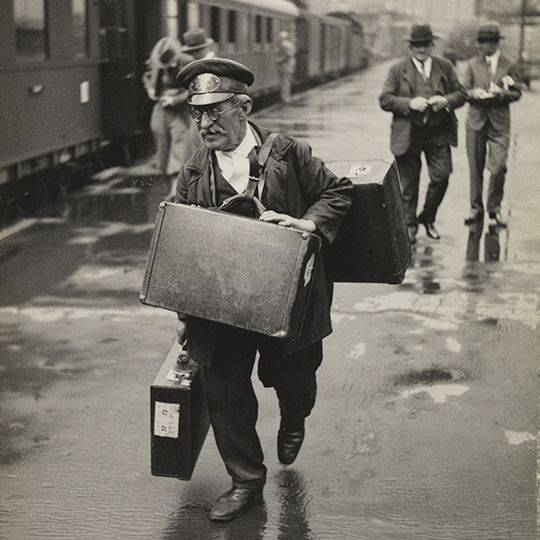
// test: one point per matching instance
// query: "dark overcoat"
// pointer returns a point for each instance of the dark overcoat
(400, 87)
(297, 184)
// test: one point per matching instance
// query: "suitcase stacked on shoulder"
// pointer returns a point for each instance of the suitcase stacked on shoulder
(372, 245)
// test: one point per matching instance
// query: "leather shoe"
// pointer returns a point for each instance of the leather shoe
(234, 503)
(288, 444)
(497, 219)
(474, 218)
(431, 231)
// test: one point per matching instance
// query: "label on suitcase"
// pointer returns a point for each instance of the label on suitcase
(179, 417)
(231, 269)
(372, 245)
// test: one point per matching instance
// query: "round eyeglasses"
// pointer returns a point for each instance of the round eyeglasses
(213, 113)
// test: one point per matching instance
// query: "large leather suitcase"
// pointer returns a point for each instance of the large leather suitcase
(372, 245)
(231, 269)
(179, 417)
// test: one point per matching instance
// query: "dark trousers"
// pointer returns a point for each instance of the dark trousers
(433, 142)
(232, 403)
(494, 145)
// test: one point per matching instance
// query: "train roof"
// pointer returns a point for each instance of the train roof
(280, 6)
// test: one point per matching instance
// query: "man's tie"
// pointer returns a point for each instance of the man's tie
(423, 71)
(490, 68)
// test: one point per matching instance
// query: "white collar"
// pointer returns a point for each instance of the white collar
(426, 65)
(495, 56)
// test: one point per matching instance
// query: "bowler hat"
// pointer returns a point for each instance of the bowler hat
(489, 31)
(211, 80)
(194, 39)
(420, 33)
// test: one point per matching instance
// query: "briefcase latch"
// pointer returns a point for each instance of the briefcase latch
(183, 370)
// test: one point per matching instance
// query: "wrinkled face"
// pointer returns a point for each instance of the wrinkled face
(222, 126)
(488, 46)
(421, 51)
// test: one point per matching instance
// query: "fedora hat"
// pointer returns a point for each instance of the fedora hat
(421, 33)
(194, 39)
(489, 31)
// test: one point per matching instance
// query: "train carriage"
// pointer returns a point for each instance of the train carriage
(71, 70)
(246, 31)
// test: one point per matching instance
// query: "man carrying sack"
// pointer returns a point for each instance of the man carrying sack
(296, 190)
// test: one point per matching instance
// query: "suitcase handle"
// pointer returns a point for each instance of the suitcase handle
(182, 361)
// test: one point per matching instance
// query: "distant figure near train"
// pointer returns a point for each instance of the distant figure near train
(170, 116)
(286, 59)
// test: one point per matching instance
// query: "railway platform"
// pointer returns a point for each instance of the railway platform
(427, 414)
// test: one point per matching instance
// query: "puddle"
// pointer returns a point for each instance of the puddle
(439, 393)
(516, 437)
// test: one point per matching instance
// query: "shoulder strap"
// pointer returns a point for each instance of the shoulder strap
(260, 160)
(265, 151)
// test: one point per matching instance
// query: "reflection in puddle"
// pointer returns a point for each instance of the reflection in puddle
(438, 392)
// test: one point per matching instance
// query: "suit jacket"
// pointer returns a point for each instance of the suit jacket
(297, 184)
(400, 87)
(497, 109)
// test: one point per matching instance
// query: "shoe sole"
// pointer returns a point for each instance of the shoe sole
(230, 517)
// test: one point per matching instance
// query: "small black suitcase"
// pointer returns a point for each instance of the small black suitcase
(179, 417)
(231, 269)
(372, 244)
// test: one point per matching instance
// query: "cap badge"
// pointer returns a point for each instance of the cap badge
(205, 83)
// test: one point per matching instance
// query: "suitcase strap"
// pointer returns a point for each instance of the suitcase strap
(247, 203)
(257, 164)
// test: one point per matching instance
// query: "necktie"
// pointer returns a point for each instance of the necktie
(490, 68)
(423, 71)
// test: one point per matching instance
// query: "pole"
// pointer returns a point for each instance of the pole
(522, 30)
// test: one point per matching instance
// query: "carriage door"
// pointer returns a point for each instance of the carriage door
(119, 74)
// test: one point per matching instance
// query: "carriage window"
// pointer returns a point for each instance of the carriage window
(258, 29)
(215, 29)
(269, 30)
(231, 34)
(80, 28)
(30, 29)
(113, 29)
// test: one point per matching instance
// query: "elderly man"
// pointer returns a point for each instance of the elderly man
(492, 82)
(422, 92)
(298, 191)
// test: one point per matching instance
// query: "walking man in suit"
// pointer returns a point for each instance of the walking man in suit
(492, 82)
(422, 92)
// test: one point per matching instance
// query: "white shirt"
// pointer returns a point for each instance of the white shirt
(235, 165)
(493, 61)
(426, 67)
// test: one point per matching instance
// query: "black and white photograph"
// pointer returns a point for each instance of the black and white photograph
(269, 269)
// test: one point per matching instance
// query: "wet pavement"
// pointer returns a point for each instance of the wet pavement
(426, 421)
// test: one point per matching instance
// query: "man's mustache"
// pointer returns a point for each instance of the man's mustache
(213, 131)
